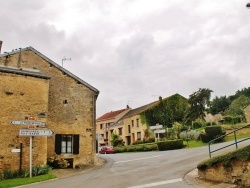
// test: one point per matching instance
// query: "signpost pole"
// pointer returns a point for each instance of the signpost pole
(30, 156)
(21, 157)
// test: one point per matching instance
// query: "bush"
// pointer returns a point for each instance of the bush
(40, 170)
(212, 132)
(240, 154)
(190, 135)
(36, 171)
(136, 148)
(197, 125)
(233, 119)
(170, 145)
(57, 162)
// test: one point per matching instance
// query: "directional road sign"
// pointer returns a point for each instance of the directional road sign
(35, 132)
(25, 122)
(156, 127)
(15, 150)
(160, 131)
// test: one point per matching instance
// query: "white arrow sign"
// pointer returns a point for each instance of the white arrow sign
(18, 122)
(156, 127)
(160, 131)
(35, 132)
(15, 150)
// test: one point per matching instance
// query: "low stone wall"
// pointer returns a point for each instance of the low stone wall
(237, 172)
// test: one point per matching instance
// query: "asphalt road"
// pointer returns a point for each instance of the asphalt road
(138, 170)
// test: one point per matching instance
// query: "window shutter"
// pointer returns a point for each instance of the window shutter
(76, 144)
(58, 144)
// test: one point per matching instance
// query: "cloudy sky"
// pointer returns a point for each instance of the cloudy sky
(133, 51)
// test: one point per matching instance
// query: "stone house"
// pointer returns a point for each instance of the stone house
(32, 85)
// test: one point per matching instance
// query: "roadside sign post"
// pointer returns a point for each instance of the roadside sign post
(157, 130)
(31, 133)
(30, 156)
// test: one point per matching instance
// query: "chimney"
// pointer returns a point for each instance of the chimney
(1, 42)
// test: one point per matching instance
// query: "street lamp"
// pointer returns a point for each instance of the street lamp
(248, 5)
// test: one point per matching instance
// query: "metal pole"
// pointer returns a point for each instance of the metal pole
(209, 150)
(20, 158)
(235, 139)
(30, 156)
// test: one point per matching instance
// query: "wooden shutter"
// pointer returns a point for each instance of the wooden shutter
(58, 144)
(76, 144)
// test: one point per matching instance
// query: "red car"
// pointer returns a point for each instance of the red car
(107, 150)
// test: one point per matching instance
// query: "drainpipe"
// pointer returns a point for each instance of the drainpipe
(94, 123)
(1, 42)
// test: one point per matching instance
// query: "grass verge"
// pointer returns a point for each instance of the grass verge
(194, 143)
(23, 181)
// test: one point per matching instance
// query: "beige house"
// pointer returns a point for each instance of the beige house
(104, 123)
(34, 86)
(130, 127)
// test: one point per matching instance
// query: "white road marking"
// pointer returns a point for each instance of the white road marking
(157, 183)
(137, 159)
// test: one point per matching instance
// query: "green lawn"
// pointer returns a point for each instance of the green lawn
(194, 144)
(23, 181)
(238, 136)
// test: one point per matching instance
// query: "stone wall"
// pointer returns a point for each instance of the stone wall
(71, 104)
(238, 172)
(21, 96)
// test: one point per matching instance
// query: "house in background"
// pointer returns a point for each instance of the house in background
(32, 85)
(104, 123)
(129, 127)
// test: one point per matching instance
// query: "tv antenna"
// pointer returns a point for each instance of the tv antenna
(65, 59)
(155, 96)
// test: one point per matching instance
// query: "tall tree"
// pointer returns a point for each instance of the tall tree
(237, 106)
(199, 102)
(219, 104)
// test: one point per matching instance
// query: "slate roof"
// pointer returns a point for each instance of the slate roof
(54, 64)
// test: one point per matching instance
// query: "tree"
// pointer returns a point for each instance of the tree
(116, 140)
(199, 102)
(237, 106)
(219, 105)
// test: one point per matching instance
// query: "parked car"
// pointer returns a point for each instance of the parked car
(107, 150)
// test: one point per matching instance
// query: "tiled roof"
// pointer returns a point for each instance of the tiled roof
(137, 111)
(111, 114)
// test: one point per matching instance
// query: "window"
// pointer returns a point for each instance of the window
(67, 143)
(120, 131)
(100, 126)
(66, 146)
(129, 129)
(138, 135)
(132, 123)
(137, 122)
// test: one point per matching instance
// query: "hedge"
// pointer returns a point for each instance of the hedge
(212, 132)
(170, 145)
(136, 148)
